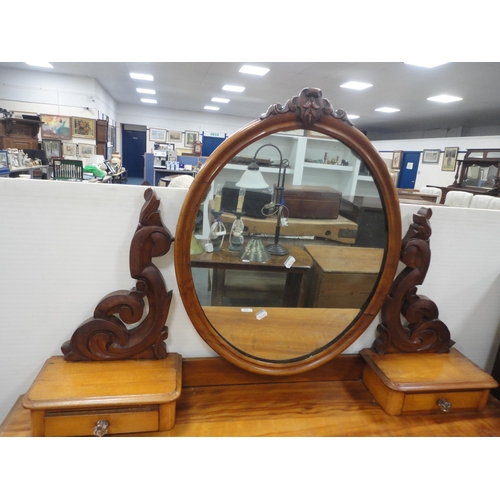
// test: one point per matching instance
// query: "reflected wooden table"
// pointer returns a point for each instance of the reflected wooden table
(340, 229)
(221, 261)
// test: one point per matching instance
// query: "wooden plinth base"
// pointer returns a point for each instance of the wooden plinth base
(69, 399)
(426, 383)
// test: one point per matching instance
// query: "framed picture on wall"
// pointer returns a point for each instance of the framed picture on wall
(86, 150)
(4, 159)
(397, 156)
(191, 138)
(449, 159)
(68, 149)
(157, 135)
(174, 136)
(431, 156)
(55, 127)
(52, 148)
(111, 135)
(83, 127)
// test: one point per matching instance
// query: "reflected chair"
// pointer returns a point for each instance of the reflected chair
(458, 199)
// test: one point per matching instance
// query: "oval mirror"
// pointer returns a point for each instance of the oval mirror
(289, 239)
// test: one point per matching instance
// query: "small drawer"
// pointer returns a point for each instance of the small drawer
(445, 402)
(120, 421)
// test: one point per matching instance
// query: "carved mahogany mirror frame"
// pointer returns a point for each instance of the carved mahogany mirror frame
(308, 111)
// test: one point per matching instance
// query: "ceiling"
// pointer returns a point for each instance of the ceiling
(191, 85)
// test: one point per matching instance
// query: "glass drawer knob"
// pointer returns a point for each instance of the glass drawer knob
(101, 428)
(444, 404)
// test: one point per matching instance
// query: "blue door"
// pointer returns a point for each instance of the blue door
(408, 170)
(133, 150)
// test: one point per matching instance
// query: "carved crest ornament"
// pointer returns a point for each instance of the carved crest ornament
(310, 106)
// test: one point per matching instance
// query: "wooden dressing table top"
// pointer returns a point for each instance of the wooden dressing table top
(219, 399)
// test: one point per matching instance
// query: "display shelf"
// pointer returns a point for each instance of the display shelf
(297, 150)
(7, 172)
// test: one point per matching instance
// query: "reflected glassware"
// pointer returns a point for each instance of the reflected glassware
(236, 237)
(217, 232)
(196, 247)
(255, 251)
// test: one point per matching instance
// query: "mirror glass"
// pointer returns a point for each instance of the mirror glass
(333, 232)
(289, 239)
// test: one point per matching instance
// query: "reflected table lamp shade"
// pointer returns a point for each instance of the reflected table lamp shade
(255, 251)
(252, 178)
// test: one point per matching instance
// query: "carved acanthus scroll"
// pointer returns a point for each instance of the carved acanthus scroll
(310, 106)
(106, 336)
(424, 332)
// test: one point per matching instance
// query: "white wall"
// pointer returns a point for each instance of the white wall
(64, 246)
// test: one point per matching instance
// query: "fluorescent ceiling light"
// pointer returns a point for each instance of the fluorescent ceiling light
(220, 99)
(428, 64)
(146, 91)
(352, 117)
(149, 101)
(233, 88)
(141, 76)
(387, 110)
(212, 108)
(356, 85)
(444, 98)
(40, 64)
(253, 70)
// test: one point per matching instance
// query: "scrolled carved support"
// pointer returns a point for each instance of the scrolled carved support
(423, 331)
(106, 337)
(309, 106)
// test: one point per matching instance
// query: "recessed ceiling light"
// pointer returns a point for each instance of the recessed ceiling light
(428, 64)
(40, 64)
(233, 88)
(220, 99)
(141, 76)
(212, 108)
(387, 110)
(253, 70)
(352, 117)
(444, 98)
(146, 91)
(149, 101)
(356, 85)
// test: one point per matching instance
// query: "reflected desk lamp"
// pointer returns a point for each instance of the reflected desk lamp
(253, 179)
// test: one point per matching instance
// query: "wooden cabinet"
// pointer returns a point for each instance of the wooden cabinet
(342, 277)
(426, 382)
(101, 137)
(477, 173)
(16, 133)
(104, 397)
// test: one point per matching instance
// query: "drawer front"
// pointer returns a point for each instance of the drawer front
(82, 423)
(428, 402)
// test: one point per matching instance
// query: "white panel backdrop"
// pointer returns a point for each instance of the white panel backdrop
(64, 246)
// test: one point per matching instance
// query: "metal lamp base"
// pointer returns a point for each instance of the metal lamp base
(277, 249)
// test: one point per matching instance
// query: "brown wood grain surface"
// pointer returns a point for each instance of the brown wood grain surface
(221, 400)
